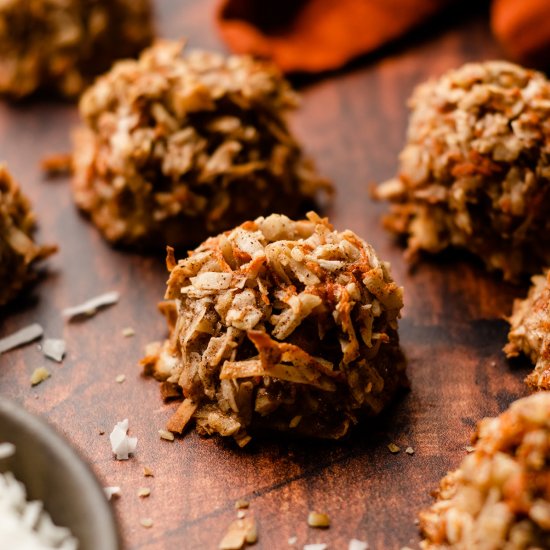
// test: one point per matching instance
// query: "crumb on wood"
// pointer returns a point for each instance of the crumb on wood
(318, 520)
(165, 434)
(146, 522)
(39, 375)
(143, 492)
(393, 448)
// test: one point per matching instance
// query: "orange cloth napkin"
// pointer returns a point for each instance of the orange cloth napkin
(319, 35)
(523, 28)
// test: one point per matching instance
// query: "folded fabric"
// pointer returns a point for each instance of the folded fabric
(320, 35)
(523, 28)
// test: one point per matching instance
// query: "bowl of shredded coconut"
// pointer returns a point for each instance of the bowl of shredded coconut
(49, 499)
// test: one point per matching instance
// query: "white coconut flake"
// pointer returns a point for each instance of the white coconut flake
(23, 336)
(143, 492)
(146, 522)
(54, 348)
(6, 450)
(25, 524)
(316, 546)
(355, 544)
(111, 492)
(165, 434)
(91, 306)
(122, 445)
(212, 281)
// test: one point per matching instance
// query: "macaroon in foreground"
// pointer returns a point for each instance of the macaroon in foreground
(499, 497)
(475, 172)
(530, 331)
(61, 46)
(281, 325)
(177, 147)
(18, 251)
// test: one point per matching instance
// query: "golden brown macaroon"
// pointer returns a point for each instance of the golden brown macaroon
(282, 325)
(530, 331)
(499, 497)
(18, 251)
(475, 172)
(60, 46)
(177, 147)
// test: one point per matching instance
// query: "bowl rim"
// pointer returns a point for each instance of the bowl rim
(102, 523)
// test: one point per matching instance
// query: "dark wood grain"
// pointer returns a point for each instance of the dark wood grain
(452, 330)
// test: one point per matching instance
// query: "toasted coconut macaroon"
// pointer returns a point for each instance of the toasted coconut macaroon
(530, 331)
(499, 497)
(280, 324)
(18, 251)
(176, 148)
(475, 172)
(60, 46)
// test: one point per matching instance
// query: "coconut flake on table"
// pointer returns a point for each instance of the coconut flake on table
(54, 348)
(111, 492)
(121, 443)
(23, 336)
(128, 332)
(355, 544)
(90, 307)
(25, 524)
(6, 450)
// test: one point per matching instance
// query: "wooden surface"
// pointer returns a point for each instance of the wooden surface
(452, 330)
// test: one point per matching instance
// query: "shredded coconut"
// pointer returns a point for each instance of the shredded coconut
(474, 171)
(122, 445)
(146, 522)
(90, 307)
(128, 332)
(6, 450)
(54, 348)
(238, 354)
(24, 336)
(25, 524)
(111, 492)
(355, 544)
(165, 434)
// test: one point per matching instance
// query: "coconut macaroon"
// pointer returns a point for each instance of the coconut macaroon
(475, 172)
(176, 148)
(499, 497)
(61, 46)
(280, 324)
(18, 251)
(530, 331)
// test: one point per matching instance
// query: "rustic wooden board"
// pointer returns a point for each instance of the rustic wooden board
(452, 330)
